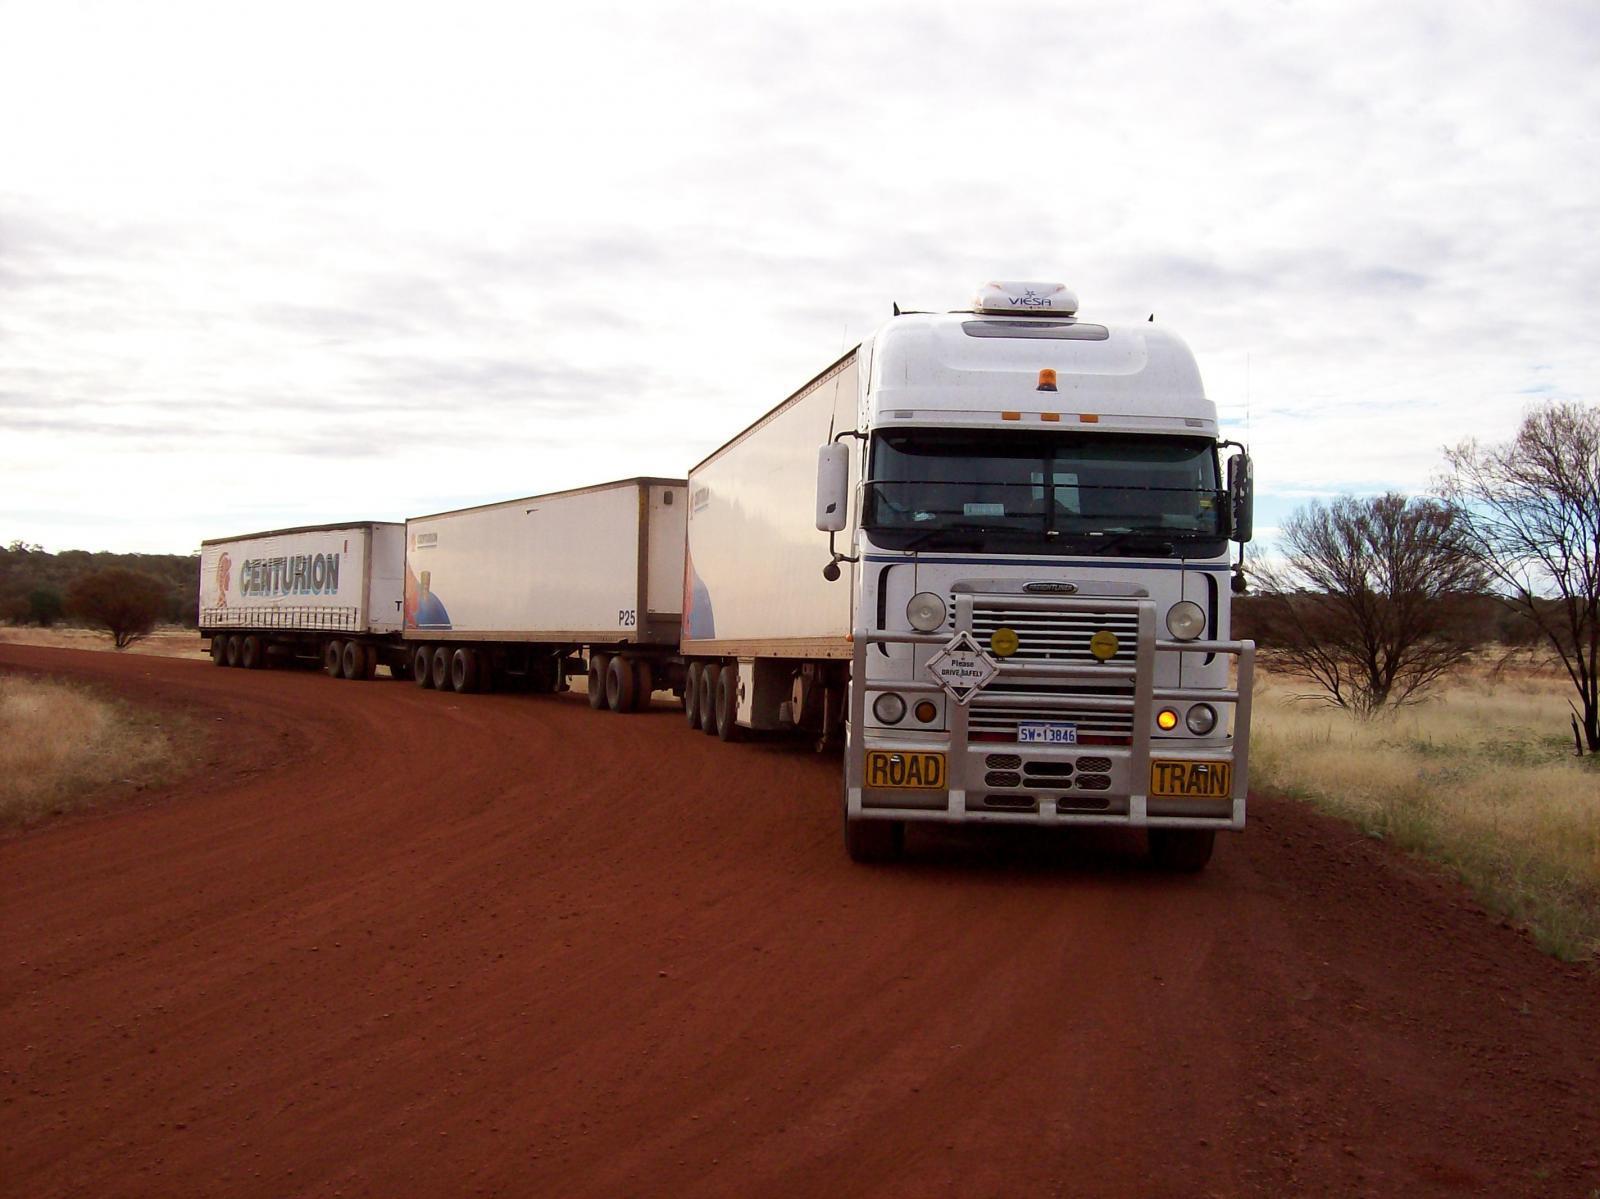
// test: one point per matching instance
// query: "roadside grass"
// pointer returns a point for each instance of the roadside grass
(166, 641)
(1481, 778)
(61, 743)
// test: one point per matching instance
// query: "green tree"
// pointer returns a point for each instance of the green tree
(45, 606)
(126, 603)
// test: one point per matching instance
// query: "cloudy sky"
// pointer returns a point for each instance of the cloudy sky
(264, 265)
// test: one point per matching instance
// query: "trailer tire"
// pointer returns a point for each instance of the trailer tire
(691, 695)
(1182, 850)
(352, 660)
(440, 667)
(708, 698)
(599, 664)
(466, 673)
(252, 654)
(619, 684)
(728, 704)
(231, 653)
(333, 657)
(219, 651)
(644, 684)
(422, 667)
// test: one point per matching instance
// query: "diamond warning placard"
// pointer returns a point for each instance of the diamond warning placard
(962, 668)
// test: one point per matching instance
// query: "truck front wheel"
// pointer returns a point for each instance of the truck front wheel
(1185, 850)
(874, 840)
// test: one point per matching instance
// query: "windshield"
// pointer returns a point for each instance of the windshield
(1063, 492)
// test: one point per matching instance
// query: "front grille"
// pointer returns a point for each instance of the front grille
(1095, 765)
(1002, 761)
(1002, 778)
(1094, 782)
(1011, 803)
(1053, 637)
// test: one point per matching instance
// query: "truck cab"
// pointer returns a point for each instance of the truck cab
(1038, 511)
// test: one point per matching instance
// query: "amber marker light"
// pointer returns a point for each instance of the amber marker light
(926, 711)
(1050, 416)
(1011, 416)
(1047, 379)
(1089, 418)
(1166, 720)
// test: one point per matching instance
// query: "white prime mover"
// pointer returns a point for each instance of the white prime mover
(1027, 619)
(509, 593)
(321, 593)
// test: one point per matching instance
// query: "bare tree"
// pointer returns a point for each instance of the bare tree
(1532, 509)
(125, 603)
(1368, 598)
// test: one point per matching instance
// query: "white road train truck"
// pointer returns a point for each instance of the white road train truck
(326, 594)
(1020, 614)
(509, 595)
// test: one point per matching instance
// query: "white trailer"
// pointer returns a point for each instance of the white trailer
(1027, 622)
(328, 594)
(509, 594)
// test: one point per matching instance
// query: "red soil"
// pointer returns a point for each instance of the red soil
(394, 942)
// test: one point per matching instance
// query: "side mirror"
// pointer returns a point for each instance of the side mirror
(833, 487)
(1241, 497)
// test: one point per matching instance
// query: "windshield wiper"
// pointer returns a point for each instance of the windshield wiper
(1142, 541)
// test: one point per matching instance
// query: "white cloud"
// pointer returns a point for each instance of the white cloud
(262, 265)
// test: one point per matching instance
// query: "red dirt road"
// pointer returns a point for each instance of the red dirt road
(393, 942)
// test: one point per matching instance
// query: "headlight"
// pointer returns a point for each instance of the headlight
(925, 612)
(1201, 720)
(1186, 620)
(889, 708)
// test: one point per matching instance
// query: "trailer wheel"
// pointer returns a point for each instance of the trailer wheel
(219, 651)
(691, 695)
(708, 698)
(619, 684)
(251, 655)
(333, 657)
(439, 666)
(644, 684)
(728, 704)
(352, 660)
(598, 665)
(465, 674)
(1184, 850)
(422, 667)
(231, 653)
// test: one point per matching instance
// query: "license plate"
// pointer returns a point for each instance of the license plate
(1047, 732)
(1176, 779)
(904, 770)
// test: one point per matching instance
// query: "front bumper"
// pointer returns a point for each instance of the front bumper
(1078, 784)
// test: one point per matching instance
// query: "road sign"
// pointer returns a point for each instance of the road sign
(962, 668)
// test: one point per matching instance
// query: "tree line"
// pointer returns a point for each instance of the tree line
(1376, 598)
(43, 589)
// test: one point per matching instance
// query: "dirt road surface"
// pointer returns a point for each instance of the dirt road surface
(391, 942)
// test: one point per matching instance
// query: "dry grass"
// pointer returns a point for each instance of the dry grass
(1482, 778)
(167, 641)
(60, 744)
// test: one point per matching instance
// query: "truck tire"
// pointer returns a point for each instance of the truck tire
(1183, 850)
(728, 704)
(466, 672)
(644, 684)
(333, 658)
(691, 695)
(352, 660)
(232, 651)
(440, 668)
(619, 684)
(252, 654)
(422, 667)
(219, 651)
(598, 666)
(708, 698)
(873, 840)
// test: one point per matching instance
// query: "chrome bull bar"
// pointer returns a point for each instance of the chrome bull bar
(1141, 706)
